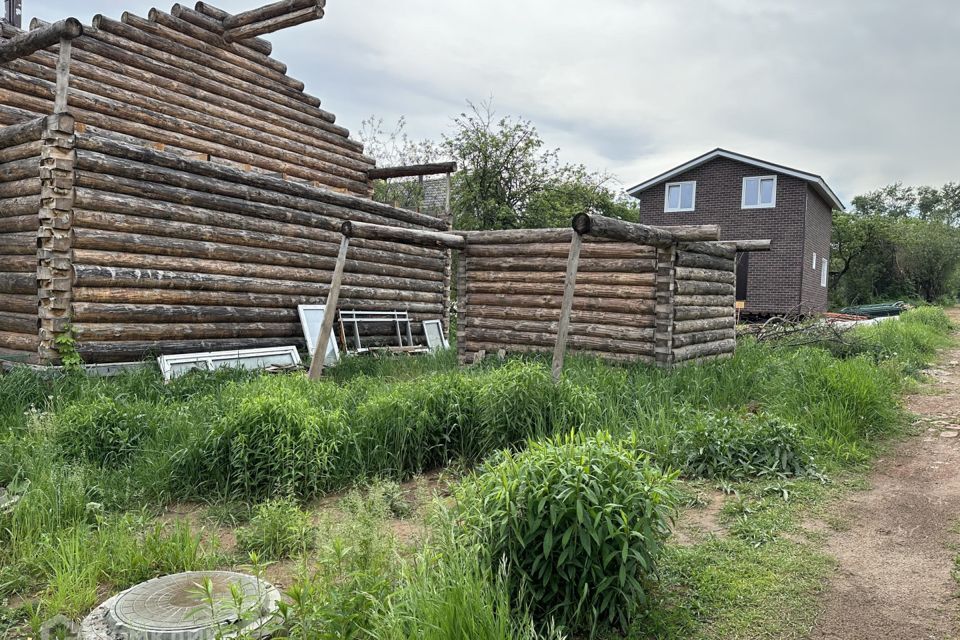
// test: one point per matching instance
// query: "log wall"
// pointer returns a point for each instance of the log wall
(632, 302)
(173, 82)
(174, 255)
(511, 288)
(20, 188)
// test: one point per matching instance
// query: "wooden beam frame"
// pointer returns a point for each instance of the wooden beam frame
(412, 170)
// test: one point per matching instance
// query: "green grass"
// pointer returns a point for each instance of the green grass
(94, 461)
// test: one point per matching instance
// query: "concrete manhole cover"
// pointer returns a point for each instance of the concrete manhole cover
(174, 607)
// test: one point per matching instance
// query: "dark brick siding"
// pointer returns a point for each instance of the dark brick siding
(776, 278)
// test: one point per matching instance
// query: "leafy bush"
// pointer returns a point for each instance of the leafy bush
(279, 529)
(106, 431)
(740, 446)
(579, 523)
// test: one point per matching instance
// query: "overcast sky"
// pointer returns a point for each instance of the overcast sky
(863, 92)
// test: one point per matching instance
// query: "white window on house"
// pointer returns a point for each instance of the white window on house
(814, 265)
(680, 196)
(823, 272)
(759, 192)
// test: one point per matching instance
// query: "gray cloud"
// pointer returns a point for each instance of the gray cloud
(864, 92)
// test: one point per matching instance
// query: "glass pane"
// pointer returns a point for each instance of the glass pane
(673, 196)
(686, 195)
(766, 191)
(750, 192)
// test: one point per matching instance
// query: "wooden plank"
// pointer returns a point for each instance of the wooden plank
(333, 297)
(566, 306)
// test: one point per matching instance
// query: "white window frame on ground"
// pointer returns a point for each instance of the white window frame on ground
(760, 204)
(679, 208)
(311, 319)
(823, 274)
(436, 338)
(176, 365)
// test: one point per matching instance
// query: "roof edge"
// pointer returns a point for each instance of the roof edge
(819, 183)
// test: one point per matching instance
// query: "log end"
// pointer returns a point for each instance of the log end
(152, 14)
(36, 23)
(97, 20)
(176, 10)
(72, 28)
(582, 223)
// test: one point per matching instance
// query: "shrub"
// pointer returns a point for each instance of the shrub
(279, 529)
(579, 523)
(271, 443)
(740, 446)
(106, 431)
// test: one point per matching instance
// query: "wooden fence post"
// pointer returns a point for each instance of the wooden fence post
(63, 76)
(570, 282)
(320, 353)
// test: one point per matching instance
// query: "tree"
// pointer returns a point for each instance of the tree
(509, 179)
(897, 242)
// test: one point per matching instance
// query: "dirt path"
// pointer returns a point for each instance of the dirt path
(893, 579)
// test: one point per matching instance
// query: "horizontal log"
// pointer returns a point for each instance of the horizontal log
(617, 305)
(18, 263)
(704, 275)
(553, 315)
(525, 236)
(101, 332)
(98, 352)
(703, 301)
(704, 324)
(30, 131)
(703, 261)
(616, 332)
(491, 348)
(354, 229)
(248, 270)
(698, 313)
(506, 337)
(127, 295)
(22, 206)
(19, 341)
(145, 164)
(215, 25)
(19, 152)
(239, 34)
(26, 43)
(715, 249)
(97, 312)
(557, 277)
(696, 287)
(171, 21)
(693, 232)
(527, 288)
(696, 351)
(742, 246)
(269, 12)
(19, 303)
(18, 322)
(702, 337)
(599, 265)
(560, 250)
(613, 229)
(25, 169)
(292, 225)
(410, 170)
(143, 235)
(18, 223)
(20, 243)
(101, 276)
(22, 283)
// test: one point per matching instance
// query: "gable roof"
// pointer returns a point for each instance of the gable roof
(814, 180)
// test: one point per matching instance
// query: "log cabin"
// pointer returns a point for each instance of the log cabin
(167, 187)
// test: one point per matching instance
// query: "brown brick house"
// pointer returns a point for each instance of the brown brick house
(754, 199)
